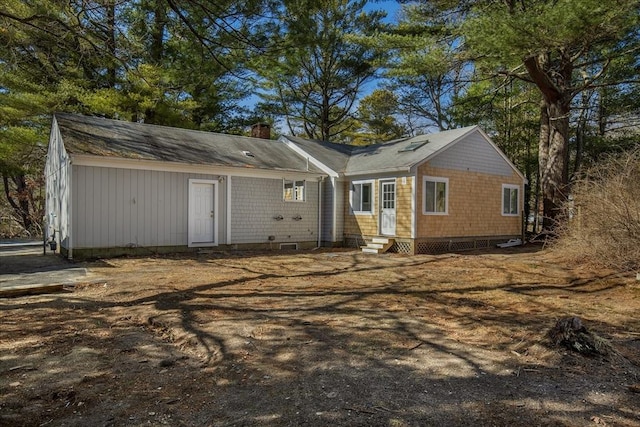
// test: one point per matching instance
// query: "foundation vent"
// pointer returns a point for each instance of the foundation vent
(289, 246)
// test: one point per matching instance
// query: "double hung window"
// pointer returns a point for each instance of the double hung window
(362, 197)
(436, 195)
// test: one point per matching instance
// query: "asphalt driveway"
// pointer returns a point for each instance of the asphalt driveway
(24, 269)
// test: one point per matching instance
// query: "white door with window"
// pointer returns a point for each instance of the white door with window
(388, 208)
(202, 213)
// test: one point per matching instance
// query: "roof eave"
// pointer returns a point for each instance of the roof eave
(406, 169)
(301, 152)
(132, 163)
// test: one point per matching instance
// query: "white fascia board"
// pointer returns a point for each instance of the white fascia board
(155, 165)
(391, 172)
(317, 163)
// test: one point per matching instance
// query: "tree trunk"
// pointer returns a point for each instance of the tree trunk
(553, 81)
(111, 43)
(19, 200)
(156, 50)
(552, 160)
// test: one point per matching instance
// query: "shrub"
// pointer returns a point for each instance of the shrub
(604, 214)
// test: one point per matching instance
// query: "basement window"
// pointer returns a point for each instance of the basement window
(289, 246)
(293, 191)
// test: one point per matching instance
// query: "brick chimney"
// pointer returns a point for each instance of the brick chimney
(261, 130)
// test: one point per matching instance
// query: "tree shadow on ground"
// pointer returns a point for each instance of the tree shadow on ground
(383, 346)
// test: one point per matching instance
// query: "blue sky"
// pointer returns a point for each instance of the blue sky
(391, 7)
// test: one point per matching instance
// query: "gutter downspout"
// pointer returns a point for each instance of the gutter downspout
(69, 209)
(320, 212)
(414, 208)
(334, 211)
(228, 201)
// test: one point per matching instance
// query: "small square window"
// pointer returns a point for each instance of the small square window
(293, 191)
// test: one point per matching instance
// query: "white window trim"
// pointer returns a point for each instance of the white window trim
(360, 182)
(304, 190)
(510, 187)
(424, 194)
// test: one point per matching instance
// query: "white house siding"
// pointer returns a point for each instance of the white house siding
(258, 201)
(115, 207)
(328, 197)
(339, 209)
(472, 154)
(57, 177)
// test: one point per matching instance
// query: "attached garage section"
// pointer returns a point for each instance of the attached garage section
(119, 209)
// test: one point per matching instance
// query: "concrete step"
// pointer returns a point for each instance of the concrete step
(368, 250)
(380, 240)
(377, 245)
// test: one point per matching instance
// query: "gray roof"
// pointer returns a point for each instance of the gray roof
(398, 156)
(391, 156)
(115, 138)
(335, 156)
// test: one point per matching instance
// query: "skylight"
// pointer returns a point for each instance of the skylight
(412, 147)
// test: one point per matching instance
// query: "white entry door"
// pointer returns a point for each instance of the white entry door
(388, 208)
(202, 213)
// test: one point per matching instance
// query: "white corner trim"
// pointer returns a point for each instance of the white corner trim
(414, 201)
(228, 233)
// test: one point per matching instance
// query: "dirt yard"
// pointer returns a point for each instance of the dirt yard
(322, 338)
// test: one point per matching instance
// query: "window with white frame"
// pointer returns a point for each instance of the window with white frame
(510, 199)
(293, 191)
(362, 197)
(436, 195)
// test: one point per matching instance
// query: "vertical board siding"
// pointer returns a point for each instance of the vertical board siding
(128, 207)
(473, 154)
(127, 196)
(256, 203)
(175, 205)
(161, 204)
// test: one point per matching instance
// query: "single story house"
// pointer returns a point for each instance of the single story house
(116, 187)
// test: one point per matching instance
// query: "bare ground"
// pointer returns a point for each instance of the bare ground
(322, 338)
